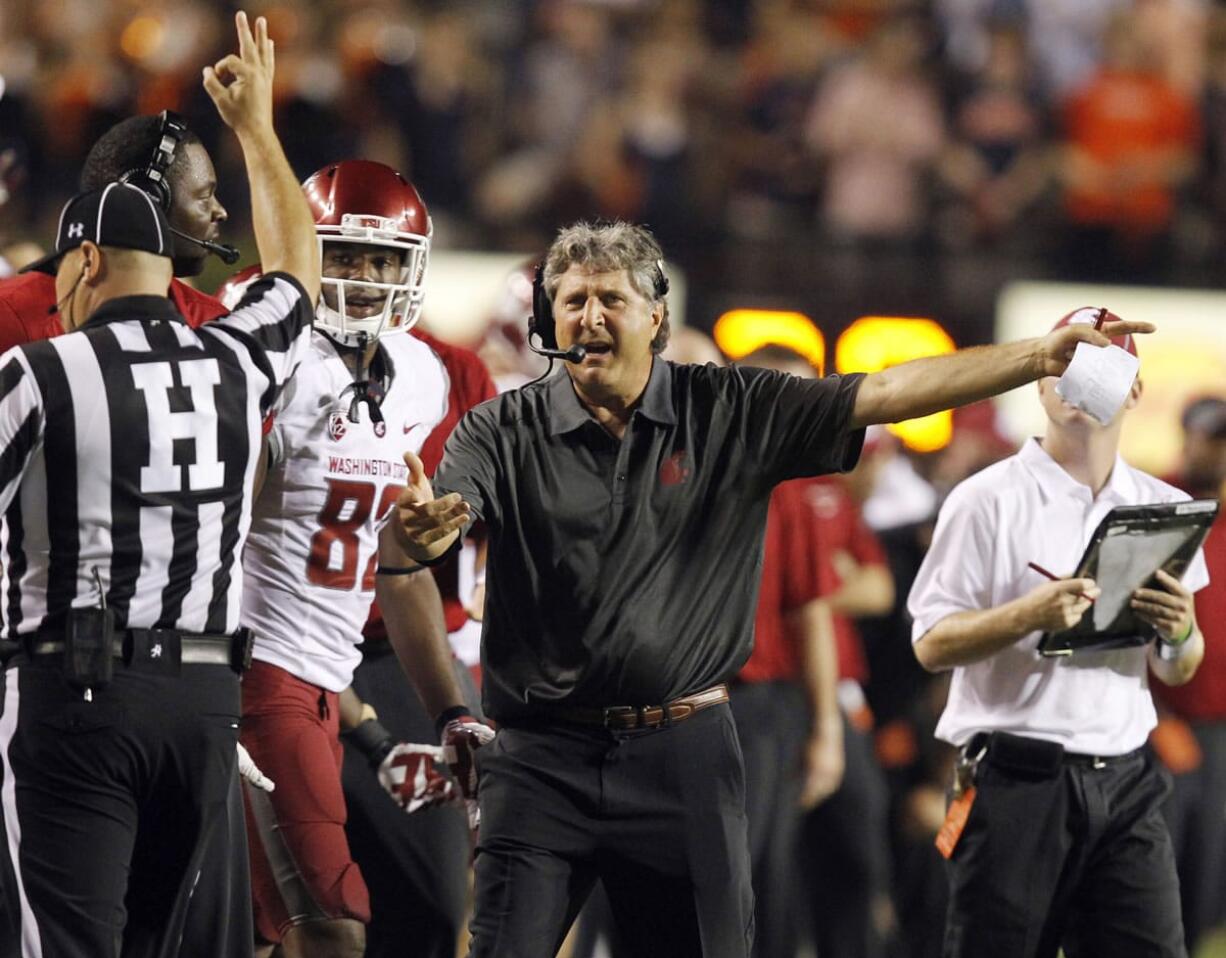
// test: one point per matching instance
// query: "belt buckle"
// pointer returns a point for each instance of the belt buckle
(613, 711)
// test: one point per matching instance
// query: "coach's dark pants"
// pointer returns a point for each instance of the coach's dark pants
(658, 815)
(110, 806)
(1075, 855)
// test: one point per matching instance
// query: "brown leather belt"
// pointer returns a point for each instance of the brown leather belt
(626, 718)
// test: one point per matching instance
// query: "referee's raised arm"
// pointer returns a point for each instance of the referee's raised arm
(241, 87)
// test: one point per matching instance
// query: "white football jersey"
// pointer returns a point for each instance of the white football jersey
(313, 548)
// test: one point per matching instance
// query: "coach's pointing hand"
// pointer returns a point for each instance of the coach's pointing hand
(426, 527)
(1056, 349)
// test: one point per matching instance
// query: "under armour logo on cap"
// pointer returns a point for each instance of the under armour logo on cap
(118, 215)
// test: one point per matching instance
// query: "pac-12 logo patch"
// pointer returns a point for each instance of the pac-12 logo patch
(336, 426)
(676, 469)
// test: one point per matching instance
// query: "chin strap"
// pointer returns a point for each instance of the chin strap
(364, 391)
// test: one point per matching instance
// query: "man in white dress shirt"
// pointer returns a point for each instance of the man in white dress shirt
(1055, 836)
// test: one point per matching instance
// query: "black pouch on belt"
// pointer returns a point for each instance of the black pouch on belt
(89, 648)
(1024, 757)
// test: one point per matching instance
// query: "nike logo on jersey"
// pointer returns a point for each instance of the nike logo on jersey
(409, 427)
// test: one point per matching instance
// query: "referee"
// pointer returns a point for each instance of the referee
(127, 453)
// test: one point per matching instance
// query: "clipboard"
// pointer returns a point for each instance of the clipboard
(1126, 550)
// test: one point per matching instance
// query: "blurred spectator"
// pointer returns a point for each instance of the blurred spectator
(1215, 121)
(689, 345)
(1191, 734)
(774, 181)
(877, 125)
(566, 72)
(1130, 142)
(1066, 39)
(996, 163)
(631, 160)
(438, 90)
(504, 347)
(845, 844)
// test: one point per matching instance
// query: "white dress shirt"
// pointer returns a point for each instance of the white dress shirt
(1028, 509)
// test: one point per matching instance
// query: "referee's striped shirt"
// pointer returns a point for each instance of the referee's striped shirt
(127, 454)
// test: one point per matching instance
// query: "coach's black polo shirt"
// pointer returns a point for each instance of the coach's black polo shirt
(625, 572)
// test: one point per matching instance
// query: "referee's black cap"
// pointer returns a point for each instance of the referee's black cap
(118, 215)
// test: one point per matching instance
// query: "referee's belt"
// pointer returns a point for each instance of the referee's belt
(627, 718)
(161, 650)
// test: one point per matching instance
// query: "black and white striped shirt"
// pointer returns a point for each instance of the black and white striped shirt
(127, 454)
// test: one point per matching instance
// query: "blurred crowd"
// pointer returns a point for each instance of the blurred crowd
(1094, 131)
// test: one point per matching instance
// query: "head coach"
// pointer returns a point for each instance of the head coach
(626, 502)
(128, 448)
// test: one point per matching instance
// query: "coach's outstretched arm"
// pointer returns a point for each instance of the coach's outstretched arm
(241, 87)
(925, 386)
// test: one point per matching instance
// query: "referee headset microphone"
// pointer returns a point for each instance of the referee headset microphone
(542, 324)
(153, 178)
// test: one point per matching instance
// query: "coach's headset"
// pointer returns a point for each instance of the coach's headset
(542, 323)
(154, 180)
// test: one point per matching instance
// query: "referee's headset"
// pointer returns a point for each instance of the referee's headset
(154, 179)
(542, 323)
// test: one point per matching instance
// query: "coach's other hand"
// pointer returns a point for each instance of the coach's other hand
(426, 527)
(1057, 347)
(241, 84)
(461, 737)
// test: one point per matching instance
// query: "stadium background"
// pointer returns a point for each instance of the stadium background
(866, 179)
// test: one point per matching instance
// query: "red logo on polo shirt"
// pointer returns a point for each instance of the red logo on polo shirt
(676, 469)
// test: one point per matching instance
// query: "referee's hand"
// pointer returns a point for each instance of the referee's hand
(241, 84)
(1054, 606)
(426, 526)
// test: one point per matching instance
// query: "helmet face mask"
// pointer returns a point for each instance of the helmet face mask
(374, 243)
(372, 283)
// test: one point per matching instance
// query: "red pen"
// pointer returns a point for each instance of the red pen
(1098, 325)
(1054, 578)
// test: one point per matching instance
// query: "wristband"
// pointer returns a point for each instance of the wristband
(445, 716)
(371, 739)
(1171, 649)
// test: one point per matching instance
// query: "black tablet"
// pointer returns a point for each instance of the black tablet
(1129, 546)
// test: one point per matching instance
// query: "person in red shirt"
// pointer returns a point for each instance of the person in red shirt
(822, 568)
(28, 310)
(1191, 733)
(1130, 144)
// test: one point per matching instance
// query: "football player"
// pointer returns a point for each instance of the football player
(318, 555)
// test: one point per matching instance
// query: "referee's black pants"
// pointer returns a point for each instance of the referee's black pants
(1074, 855)
(111, 806)
(658, 815)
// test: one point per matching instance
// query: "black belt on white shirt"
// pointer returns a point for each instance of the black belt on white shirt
(1024, 754)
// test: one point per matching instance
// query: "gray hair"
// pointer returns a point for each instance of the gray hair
(611, 246)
